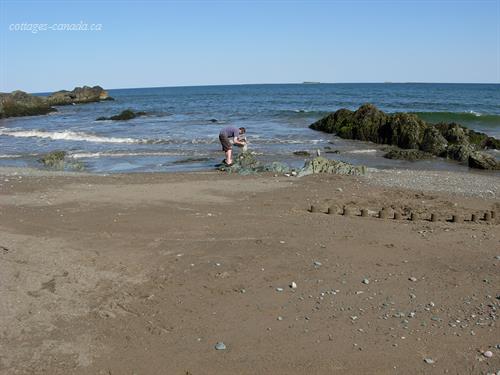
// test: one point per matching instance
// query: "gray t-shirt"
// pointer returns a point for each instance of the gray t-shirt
(230, 132)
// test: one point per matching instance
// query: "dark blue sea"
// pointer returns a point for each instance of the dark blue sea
(178, 133)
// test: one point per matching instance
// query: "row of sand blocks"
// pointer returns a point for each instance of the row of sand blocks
(488, 216)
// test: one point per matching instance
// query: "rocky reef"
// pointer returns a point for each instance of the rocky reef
(125, 115)
(407, 131)
(78, 95)
(20, 103)
(246, 163)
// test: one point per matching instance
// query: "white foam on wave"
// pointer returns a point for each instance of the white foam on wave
(477, 114)
(66, 135)
(85, 155)
(6, 156)
(369, 151)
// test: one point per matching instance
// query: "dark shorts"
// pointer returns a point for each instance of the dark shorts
(224, 141)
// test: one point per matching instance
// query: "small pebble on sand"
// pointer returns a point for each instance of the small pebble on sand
(412, 278)
(488, 354)
(279, 289)
(220, 346)
(293, 285)
(429, 361)
(366, 281)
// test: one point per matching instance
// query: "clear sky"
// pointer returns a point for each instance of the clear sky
(172, 43)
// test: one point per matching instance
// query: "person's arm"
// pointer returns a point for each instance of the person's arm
(236, 140)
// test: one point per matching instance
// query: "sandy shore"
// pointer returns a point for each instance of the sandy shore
(145, 273)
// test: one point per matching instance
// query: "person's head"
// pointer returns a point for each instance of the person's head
(242, 130)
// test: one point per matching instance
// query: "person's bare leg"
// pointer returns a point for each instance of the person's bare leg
(229, 156)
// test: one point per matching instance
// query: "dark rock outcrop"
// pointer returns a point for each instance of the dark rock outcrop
(85, 94)
(302, 153)
(409, 132)
(19, 103)
(125, 115)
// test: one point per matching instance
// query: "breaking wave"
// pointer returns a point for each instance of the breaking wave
(66, 136)
(481, 119)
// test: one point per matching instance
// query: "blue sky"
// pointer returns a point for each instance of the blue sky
(172, 43)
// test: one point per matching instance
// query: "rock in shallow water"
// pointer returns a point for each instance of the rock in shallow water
(410, 155)
(407, 131)
(483, 161)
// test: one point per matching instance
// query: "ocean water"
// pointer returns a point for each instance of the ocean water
(178, 134)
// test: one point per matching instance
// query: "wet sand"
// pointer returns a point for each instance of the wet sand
(145, 273)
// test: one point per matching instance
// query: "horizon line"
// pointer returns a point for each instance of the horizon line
(278, 83)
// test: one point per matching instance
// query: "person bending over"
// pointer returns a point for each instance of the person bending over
(224, 136)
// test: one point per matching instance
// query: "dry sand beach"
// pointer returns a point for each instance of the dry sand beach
(146, 273)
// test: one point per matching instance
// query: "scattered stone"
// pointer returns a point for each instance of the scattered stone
(280, 318)
(220, 346)
(429, 361)
(410, 155)
(293, 285)
(488, 354)
(125, 115)
(366, 281)
(279, 289)
(412, 279)
(317, 264)
(302, 153)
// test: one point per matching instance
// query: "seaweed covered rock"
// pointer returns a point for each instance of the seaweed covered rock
(403, 130)
(411, 154)
(433, 141)
(85, 94)
(54, 159)
(246, 163)
(58, 160)
(323, 165)
(277, 167)
(366, 123)
(407, 131)
(459, 152)
(19, 103)
(481, 160)
(363, 124)
(125, 115)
